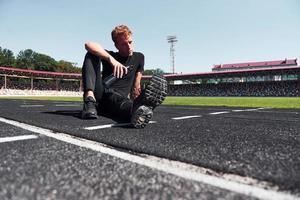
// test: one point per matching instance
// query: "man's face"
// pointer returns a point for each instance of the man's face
(124, 45)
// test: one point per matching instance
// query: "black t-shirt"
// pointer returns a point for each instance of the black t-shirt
(135, 63)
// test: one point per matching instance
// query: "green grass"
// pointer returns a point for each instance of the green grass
(269, 102)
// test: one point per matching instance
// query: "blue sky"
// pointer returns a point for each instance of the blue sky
(209, 31)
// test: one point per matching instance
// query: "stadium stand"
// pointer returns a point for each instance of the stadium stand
(272, 88)
(14, 81)
(267, 78)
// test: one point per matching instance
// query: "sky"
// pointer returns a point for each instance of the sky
(209, 32)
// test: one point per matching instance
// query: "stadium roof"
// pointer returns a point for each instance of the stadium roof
(263, 64)
(214, 74)
(37, 73)
(234, 73)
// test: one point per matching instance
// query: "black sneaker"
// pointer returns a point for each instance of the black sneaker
(141, 117)
(89, 108)
(151, 97)
(154, 93)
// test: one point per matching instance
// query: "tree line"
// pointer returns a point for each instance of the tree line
(29, 59)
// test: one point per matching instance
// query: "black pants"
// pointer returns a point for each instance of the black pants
(110, 102)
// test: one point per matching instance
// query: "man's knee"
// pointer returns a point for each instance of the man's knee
(91, 59)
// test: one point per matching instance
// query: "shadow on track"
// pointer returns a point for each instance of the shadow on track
(73, 113)
(77, 114)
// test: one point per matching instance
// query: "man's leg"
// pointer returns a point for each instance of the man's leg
(151, 97)
(115, 106)
(138, 112)
(92, 85)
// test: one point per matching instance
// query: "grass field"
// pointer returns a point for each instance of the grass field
(269, 102)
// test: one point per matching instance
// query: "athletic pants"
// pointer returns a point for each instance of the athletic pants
(110, 103)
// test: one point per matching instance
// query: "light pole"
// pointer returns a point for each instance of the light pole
(172, 40)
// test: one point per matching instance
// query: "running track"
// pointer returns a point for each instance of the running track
(244, 153)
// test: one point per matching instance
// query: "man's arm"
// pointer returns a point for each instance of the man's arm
(136, 90)
(98, 50)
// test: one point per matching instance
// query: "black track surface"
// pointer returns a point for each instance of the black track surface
(263, 143)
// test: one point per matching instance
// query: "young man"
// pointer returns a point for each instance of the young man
(116, 91)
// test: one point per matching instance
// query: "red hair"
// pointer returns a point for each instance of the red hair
(121, 30)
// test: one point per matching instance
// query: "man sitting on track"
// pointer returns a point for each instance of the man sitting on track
(115, 91)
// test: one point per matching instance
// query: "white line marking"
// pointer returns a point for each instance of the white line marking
(17, 138)
(224, 112)
(111, 125)
(238, 110)
(186, 117)
(70, 105)
(31, 106)
(219, 113)
(263, 108)
(183, 170)
(254, 109)
(106, 126)
(278, 112)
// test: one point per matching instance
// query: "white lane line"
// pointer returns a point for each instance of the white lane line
(176, 168)
(106, 126)
(254, 109)
(238, 110)
(186, 117)
(224, 112)
(31, 106)
(17, 138)
(111, 125)
(219, 113)
(70, 105)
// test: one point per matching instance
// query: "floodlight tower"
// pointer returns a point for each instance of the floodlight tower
(172, 39)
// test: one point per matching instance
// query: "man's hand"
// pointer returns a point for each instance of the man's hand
(136, 91)
(119, 69)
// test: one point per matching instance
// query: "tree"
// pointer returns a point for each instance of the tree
(43, 62)
(28, 59)
(25, 59)
(65, 66)
(153, 71)
(7, 57)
